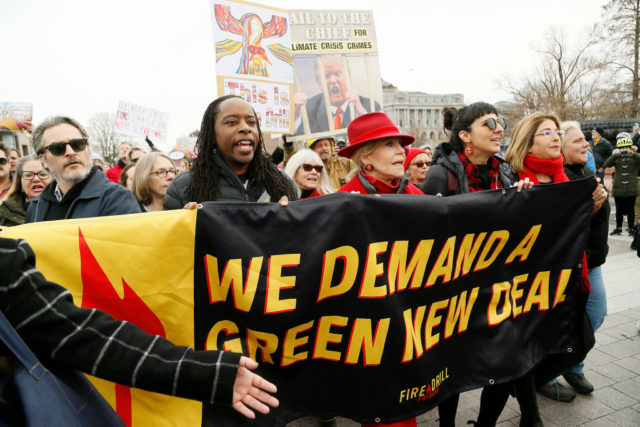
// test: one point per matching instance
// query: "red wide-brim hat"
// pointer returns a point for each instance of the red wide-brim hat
(372, 127)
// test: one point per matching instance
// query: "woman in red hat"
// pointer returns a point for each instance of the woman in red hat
(417, 165)
(376, 146)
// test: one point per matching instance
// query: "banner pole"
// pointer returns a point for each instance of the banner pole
(372, 102)
(303, 110)
(325, 93)
(347, 75)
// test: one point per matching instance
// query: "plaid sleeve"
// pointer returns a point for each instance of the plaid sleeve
(93, 342)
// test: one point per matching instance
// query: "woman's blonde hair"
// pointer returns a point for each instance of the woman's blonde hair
(140, 184)
(522, 138)
(308, 156)
(364, 151)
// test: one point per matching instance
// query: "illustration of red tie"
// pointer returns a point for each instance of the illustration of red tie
(337, 120)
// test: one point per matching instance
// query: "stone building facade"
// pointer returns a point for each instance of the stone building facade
(418, 113)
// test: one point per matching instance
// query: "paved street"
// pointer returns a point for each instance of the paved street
(613, 366)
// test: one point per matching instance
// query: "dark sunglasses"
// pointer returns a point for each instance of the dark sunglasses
(421, 164)
(59, 148)
(493, 123)
(3, 160)
(307, 167)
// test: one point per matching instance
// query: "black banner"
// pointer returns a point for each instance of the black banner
(376, 308)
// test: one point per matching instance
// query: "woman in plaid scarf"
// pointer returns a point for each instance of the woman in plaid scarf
(467, 163)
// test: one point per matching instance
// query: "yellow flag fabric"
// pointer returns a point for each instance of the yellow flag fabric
(152, 253)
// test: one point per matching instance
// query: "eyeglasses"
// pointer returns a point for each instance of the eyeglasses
(163, 172)
(420, 164)
(3, 160)
(28, 175)
(59, 148)
(492, 123)
(548, 132)
(307, 167)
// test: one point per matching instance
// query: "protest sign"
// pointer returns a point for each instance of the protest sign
(377, 316)
(335, 55)
(15, 115)
(138, 121)
(254, 60)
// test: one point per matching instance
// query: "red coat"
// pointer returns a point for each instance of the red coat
(382, 188)
(315, 193)
(355, 186)
(114, 173)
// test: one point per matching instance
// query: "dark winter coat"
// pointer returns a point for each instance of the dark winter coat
(625, 179)
(12, 212)
(99, 197)
(597, 246)
(230, 188)
(601, 151)
(445, 159)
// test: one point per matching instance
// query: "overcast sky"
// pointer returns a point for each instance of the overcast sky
(79, 57)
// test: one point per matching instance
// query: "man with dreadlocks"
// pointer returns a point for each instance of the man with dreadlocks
(231, 163)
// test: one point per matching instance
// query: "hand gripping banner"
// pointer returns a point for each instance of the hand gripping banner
(370, 307)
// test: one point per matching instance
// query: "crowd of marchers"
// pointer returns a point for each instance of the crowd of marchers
(64, 180)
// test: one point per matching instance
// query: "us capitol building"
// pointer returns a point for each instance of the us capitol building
(418, 113)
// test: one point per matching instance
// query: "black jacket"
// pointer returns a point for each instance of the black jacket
(229, 188)
(597, 246)
(445, 159)
(98, 197)
(601, 152)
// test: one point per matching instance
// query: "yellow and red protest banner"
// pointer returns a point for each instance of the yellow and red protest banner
(375, 308)
(137, 268)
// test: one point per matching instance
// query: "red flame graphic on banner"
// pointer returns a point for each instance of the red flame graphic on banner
(98, 292)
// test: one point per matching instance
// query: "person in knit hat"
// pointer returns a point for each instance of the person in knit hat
(626, 161)
(417, 165)
(601, 149)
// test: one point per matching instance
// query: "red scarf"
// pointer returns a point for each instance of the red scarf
(554, 168)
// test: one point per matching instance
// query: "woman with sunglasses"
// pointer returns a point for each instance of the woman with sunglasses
(467, 163)
(28, 182)
(153, 174)
(417, 165)
(306, 170)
